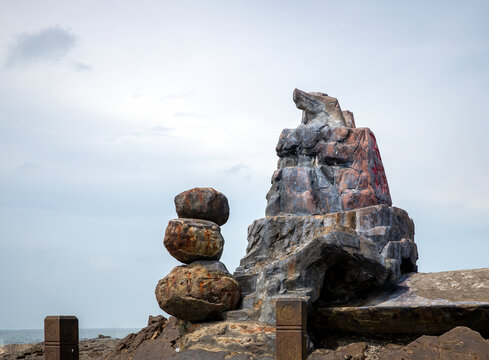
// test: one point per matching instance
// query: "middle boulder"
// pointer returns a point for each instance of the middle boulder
(189, 240)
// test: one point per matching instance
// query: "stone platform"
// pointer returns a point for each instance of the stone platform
(329, 257)
(418, 304)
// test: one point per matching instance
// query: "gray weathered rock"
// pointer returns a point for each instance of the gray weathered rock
(198, 291)
(203, 203)
(418, 304)
(319, 108)
(331, 258)
(189, 240)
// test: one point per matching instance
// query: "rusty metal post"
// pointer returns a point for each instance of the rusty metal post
(291, 315)
(60, 338)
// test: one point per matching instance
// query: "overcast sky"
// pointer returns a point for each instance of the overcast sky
(110, 108)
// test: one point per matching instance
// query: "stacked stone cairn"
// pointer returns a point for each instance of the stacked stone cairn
(332, 238)
(203, 288)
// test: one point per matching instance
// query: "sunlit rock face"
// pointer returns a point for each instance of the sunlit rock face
(330, 234)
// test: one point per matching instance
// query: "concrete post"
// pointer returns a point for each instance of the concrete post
(61, 338)
(291, 340)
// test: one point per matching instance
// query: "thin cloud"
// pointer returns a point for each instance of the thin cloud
(239, 169)
(152, 132)
(161, 130)
(177, 95)
(181, 114)
(49, 44)
(82, 67)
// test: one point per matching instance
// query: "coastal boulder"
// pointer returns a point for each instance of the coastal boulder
(190, 240)
(203, 203)
(199, 291)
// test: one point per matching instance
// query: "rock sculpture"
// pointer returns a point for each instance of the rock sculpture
(204, 288)
(324, 165)
(331, 235)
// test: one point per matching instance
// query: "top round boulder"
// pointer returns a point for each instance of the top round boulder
(203, 203)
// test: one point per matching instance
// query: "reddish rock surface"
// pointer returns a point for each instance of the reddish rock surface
(341, 170)
(203, 203)
(189, 240)
(199, 291)
(326, 164)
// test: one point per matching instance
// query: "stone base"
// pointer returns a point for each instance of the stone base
(332, 257)
(252, 338)
(419, 304)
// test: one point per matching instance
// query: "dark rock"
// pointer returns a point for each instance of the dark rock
(194, 293)
(201, 355)
(101, 336)
(203, 203)
(96, 349)
(159, 330)
(355, 350)
(188, 240)
(171, 332)
(327, 354)
(22, 351)
(458, 343)
(154, 350)
(158, 319)
(331, 258)
(212, 266)
(93, 349)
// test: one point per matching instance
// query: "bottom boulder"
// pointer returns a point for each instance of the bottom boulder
(199, 291)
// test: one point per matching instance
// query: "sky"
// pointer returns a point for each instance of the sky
(110, 108)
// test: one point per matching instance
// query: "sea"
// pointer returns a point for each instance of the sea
(37, 335)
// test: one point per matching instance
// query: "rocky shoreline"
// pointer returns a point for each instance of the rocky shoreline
(160, 340)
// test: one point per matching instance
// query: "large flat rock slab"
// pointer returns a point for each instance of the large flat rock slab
(419, 303)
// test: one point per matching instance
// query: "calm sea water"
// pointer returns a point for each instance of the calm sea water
(37, 335)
